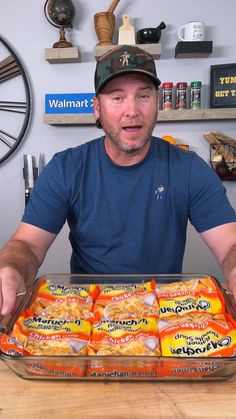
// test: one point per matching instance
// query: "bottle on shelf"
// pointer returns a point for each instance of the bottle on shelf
(195, 95)
(167, 96)
(181, 95)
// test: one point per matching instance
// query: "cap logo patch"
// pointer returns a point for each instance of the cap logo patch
(124, 58)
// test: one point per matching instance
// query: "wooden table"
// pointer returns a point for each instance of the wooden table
(20, 398)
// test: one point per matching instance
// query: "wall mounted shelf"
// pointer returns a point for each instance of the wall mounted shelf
(163, 116)
(193, 49)
(204, 114)
(62, 55)
(153, 49)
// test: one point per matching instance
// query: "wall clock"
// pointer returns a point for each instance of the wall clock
(15, 101)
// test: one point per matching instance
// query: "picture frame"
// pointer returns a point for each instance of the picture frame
(223, 86)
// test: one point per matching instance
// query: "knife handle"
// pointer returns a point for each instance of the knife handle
(27, 196)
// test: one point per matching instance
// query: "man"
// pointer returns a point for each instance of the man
(127, 196)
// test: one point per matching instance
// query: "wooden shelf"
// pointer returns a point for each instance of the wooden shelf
(69, 119)
(62, 55)
(197, 114)
(153, 49)
(163, 116)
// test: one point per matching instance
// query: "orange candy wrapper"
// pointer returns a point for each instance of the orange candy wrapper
(126, 301)
(69, 302)
(193, 296)
(43, 336)
(198, 335)
(58, 369)
(39, 336)
(125, 337)
(133, 337)
(138, 330)
(193, 369)
(13, 344)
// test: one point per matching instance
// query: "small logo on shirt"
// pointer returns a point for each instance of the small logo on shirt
(160, 192)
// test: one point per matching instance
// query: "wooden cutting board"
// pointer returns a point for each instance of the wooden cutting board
(126, 32)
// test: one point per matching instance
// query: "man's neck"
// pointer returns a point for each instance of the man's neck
(123, 158)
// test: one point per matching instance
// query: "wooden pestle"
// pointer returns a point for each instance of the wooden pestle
(113, 6)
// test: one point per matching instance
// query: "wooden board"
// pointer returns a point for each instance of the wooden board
(44, 399)
(69, 119)
(163, 116)
(153, 49)
(126, 32)
(62, 55)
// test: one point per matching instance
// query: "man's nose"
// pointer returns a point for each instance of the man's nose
(131, 107)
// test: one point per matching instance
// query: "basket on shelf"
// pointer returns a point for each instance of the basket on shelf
(223, 160)
(222, 155)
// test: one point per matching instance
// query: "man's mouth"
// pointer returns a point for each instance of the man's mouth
(132, 128)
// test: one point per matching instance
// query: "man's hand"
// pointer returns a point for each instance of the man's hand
(11, 283)
(221, 241)
(20, 259)
(231, 280)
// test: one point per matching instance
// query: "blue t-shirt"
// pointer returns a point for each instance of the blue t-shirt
(127, 219)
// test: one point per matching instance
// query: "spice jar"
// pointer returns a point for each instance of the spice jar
(167, 96)
(181, 95)
(195, 95)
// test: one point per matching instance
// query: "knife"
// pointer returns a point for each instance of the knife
(41, 163)
(28, 176)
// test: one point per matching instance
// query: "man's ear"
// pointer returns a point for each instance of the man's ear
(96, 108)
(158, 101)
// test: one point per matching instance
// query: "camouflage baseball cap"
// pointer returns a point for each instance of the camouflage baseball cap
(125, 59)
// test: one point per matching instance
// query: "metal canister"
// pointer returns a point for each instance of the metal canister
(181, 95)
(167, 96)
(195, 94)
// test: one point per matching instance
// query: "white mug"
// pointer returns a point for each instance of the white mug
(192, 31)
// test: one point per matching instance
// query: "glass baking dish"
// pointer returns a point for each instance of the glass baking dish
(152, 368)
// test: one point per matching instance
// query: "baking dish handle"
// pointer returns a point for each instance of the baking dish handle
(230, 301)
(6, 320)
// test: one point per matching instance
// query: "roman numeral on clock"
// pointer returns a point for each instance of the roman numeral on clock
(7, 139)
(8, 69)
(11, 106)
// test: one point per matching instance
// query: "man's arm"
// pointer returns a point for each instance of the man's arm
(20, 259)
(229, 269)
(221, 241)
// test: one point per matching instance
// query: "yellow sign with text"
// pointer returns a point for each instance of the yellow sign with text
(223, 86)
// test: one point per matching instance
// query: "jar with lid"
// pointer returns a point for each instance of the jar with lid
(195, 94)
(167, 96)
(181, 95)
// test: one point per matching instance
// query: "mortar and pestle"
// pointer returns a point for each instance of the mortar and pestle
(150, 35)
(104, 23)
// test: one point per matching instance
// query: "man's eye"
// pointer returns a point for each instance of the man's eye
(117, 99)
(144, 98)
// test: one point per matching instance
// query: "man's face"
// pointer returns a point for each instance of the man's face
(127, 108)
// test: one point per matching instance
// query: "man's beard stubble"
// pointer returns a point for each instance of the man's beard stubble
(119, 143)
